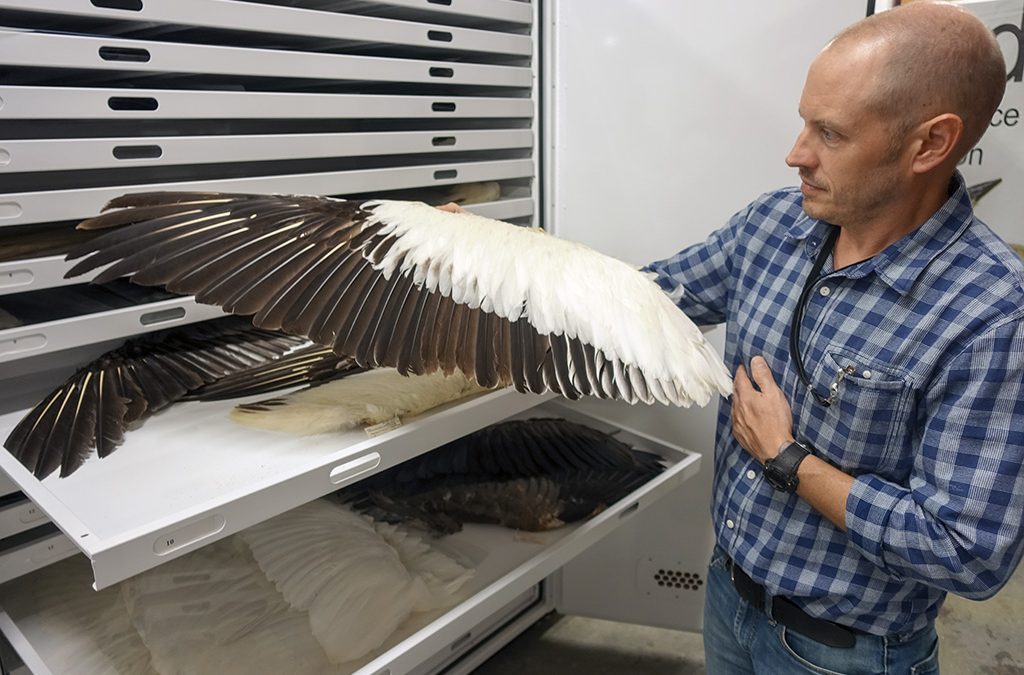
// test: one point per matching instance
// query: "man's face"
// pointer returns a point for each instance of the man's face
(848, 170)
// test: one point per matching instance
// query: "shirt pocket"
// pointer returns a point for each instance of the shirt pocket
(866, 429)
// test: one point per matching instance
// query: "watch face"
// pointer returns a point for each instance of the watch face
(779, 478)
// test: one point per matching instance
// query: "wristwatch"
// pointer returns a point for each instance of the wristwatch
(780, 471)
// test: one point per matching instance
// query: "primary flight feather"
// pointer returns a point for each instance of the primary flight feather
(406, 285)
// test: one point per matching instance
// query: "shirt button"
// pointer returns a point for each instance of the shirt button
(867, 374)
(825, 291)
(751, 475)
(730, 524)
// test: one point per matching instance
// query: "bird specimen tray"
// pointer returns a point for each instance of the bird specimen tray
(509, 564)
(191, 475)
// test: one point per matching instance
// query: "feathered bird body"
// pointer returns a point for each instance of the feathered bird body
(363, 399)
(535, 474)
(357, 583)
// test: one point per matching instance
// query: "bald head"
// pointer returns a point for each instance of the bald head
(933, 58)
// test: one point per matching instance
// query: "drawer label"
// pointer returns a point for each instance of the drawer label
(188, 534)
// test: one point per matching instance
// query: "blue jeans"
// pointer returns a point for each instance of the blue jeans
(739, 638)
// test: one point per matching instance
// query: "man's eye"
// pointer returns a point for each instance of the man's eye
(829, 135)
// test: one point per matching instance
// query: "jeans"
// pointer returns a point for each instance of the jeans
(739, 638)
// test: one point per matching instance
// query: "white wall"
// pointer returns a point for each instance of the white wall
(666, 118)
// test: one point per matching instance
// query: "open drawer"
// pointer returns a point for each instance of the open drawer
(509, 565)
(191, 476)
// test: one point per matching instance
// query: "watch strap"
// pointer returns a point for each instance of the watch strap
(780, 471)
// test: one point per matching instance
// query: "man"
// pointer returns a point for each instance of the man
(870, 458)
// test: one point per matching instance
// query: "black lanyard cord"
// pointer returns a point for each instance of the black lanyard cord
(798, 313)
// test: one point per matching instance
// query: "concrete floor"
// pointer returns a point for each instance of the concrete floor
(975, 638)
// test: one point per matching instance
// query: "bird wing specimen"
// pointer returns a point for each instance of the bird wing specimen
(96, 405)
(533, 475)
(213, 611)
(403, 284)
(87, 632)
(328, 561)
(310, 365)
(364, 399)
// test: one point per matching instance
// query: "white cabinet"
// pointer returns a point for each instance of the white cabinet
(102, 98)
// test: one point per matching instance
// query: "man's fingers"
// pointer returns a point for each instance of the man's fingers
(741, 382)
(761, 373)
(451, 207)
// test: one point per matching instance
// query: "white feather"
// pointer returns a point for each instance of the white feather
(442, 576)
(213, 611)
(88, 632)
(626, 316)
(363, 399)
(331, 562)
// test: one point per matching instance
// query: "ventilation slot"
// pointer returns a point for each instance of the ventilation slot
(676, 579)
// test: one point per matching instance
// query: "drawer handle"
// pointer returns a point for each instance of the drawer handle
(356, 467)
(130, 5)
(439, 2)
(442, 72)
(138, 152)
(147, 103)
(445, 174)
(127, 54)
(443, 106)
(18, 277)
(460, 641)
(5, 157)
(150, 318)
(439, 35)
(10, 210)
(443, 140)
(20, 345)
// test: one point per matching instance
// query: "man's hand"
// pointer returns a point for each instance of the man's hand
(762, 421)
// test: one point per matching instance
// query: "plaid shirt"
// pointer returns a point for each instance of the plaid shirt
(930, 424)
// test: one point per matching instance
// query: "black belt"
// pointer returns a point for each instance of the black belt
(788, 614)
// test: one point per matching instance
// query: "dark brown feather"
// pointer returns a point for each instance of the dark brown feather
(484, 367)
(578, 367)
(94, 407)
(310, 307)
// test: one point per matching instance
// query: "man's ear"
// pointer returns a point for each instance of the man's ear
(938, 141)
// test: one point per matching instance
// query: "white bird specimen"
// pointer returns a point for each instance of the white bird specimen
(363, 399)
(213, 611)
(404, 284)
(86, 632)
(357, 588)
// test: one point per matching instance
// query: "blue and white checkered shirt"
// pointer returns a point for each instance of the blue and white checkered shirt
(931, 423)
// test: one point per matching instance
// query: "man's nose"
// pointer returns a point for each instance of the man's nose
(800, 155)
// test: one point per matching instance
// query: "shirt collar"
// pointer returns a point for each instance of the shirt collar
(900, 264)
